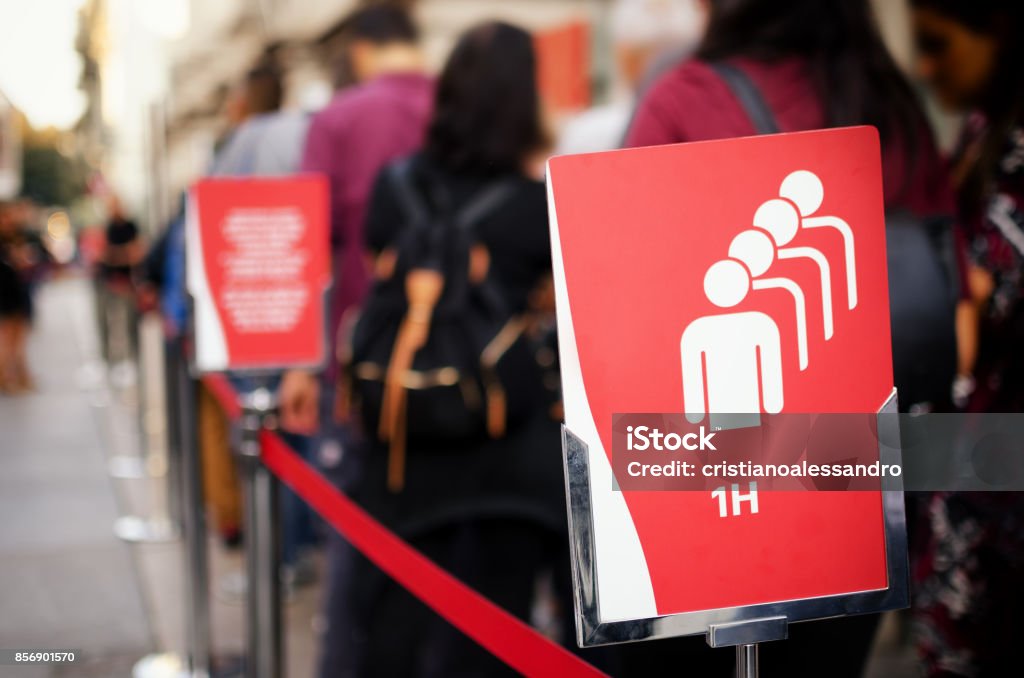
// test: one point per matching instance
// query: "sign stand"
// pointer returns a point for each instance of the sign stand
(753, 285)
(746, 637)
(262, 538)
(741, 627)
(746, 661)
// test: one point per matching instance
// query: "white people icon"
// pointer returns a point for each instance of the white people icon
(732, 362)
(755, 249)
(805, 190)
(740, 353)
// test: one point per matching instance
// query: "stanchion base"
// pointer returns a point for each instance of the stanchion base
(170, 665)
(165, 665)
(145, 531)
(126, 468)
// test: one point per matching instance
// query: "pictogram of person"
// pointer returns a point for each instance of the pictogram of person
(781, 220)
(756, 250)
(732, 362)
(805, 190)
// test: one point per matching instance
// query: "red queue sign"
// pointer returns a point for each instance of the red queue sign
(727, 280)
(257, 271)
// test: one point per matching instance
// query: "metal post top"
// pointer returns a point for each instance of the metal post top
(259, 413)
(258, 401)
(748, 631)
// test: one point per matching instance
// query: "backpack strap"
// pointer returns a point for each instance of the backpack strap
(749, 97)
(409, 197)
(487, 200)
(417, 210)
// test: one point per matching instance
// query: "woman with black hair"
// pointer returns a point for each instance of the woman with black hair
(970, 584)
(814, 64)
(490, 510)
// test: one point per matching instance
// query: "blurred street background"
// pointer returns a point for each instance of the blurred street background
(109, 111)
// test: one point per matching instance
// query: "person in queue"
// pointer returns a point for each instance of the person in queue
(379, 114)
(970, 576)
(815, 65)
(266, 141)
(379, 118)
(485, 509)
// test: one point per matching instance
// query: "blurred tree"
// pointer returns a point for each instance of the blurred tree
(52, 171)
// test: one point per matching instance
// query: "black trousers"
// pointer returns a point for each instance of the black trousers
(376, 628)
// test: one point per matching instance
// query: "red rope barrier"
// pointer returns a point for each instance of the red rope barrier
(224, 392)
(502, 634)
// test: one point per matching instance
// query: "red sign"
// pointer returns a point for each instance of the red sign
(735, 277)
(258, 268)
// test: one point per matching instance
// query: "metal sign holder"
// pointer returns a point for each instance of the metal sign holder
(264, 654)
(740, 627)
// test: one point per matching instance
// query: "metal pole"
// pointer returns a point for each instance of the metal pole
(186, 471)
(173, 355)
(197, 599)
(158, 466)
(262, 540)
(746, 661)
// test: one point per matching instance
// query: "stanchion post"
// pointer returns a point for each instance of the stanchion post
(197, 612)
(746, 661)
(173, 356)
(262, 539)
(187, 473)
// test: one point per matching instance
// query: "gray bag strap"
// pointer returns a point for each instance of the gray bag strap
(417, 211)
(412, 203)
(484, 202)
(749, 97)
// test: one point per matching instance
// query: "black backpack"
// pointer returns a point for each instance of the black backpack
(923, 287)
(436, 356)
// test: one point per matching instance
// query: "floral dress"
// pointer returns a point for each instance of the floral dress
(969, 571)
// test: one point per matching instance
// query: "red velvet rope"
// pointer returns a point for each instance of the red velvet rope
(502, 634)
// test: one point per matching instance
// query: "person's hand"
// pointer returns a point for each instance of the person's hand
(299, 398)
(147, 298)
(980, 283)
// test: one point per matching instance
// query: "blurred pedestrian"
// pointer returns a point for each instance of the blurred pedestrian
(24, 259)
(266, 141)
(15, 305)
(485, 508)
(379, 114)
(365, 126)
(814, 64)
(117, 313)
(647, 35)
(971, 575)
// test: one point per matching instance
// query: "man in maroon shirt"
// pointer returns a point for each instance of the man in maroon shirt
(362, 129)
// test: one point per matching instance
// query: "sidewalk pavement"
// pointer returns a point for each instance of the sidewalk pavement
(66, 581)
